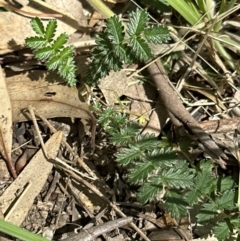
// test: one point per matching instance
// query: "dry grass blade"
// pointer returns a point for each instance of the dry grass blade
(6, 125)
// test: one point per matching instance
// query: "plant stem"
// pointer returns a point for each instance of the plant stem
(99, 6)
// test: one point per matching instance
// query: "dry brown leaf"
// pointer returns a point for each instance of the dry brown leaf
(142, 109)
(22, 192)
(49, 99)
(114, 86)
(6, 124)
(70, 8)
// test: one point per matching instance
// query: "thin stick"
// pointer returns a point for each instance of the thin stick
(68, 147)
(116, 209)
(31, 111)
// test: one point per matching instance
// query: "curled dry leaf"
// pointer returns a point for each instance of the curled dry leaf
(6, 124)
(48, 98)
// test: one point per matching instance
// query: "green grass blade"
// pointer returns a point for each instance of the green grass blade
(17, 232)
(187, 9)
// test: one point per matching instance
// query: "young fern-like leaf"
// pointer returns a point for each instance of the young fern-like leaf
(147, 141)
(207, 212)
(67, 70)
(156, 34)
(222, 231)
(53, 63)
(226, 201)
(125, 135)
(36, 42)
(115, 48)
(60, 41)
(149, 192)
(192, 196)
(50, 30)
(44, 53)
(54, 52)
(115, 30)
(204, 182)
(66, 53)
(140, 48)
(225, 184)
(176, 178)
(140, 172)
(38, 27)
(128, 155)
(137, 22)
(162, 175)
(120, 51)
(175, 205)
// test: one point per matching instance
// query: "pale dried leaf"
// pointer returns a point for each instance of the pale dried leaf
(141, 107)
(72, 7)
(49, 99)
(6, 124)
(29, 183)
(114, 86)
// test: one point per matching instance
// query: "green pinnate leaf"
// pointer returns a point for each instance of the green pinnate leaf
(35, 42)
(60, 41)
(53, 63)
(66, 53)
(57, 56)
(164, 157)
(140, 172)
(146, 142)
(120, 51)
(192, 196)
(97, 71)
(124, 135)
(157, 34)
(137, 22)
(106, 118)
(226, 201)
(50, 30)
(222, 231)
(176, 178)
(227, 183)
(66, 66)
(128, 155)
(205, 166)
(207, 212)
(44, 53)
(175, 205)
(37, 26)
(67, 70)
(204, 182)
(148, 192)
(112, 61)
(115, 30)
(140, 49)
